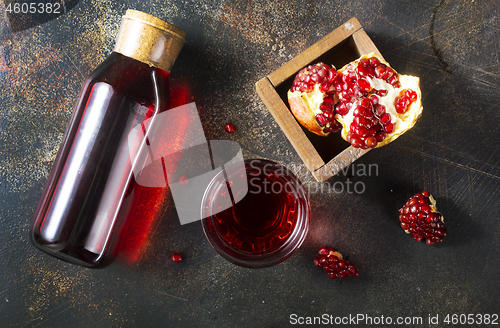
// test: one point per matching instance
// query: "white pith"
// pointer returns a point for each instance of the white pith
(313, 99)
(434, 208)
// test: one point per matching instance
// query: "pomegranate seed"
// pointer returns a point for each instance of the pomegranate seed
(175, 157)
(380, 70)
(319, 73)
(333, 127)
(372, 131)
(328, 114)
(324, 251)
(392, 80)
(366, 71)
(420, 218)
(379, 110)
(374, 62)
(356, 142)
(364, 85)
(328, 100)
(385, 118)
(380, 136)
(230, 128)
(325, 106)
(321, 120)
(171, 167)
(389, 72)
(332, 74)
(361, 131)
(176, 257)
(371, 142)
(183, 180)
(365, 103)
(359, 120)
(389, 127)
(324, 87)
(341, 109)
(412, 95)
(359, 111)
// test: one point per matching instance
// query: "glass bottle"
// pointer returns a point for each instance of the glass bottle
(90, 188)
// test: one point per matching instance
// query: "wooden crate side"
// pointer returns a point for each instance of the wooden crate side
(288, 124)
(341, 161)
(316, 50)
(364, 44)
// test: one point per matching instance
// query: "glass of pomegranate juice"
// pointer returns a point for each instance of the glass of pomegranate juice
(255, 215)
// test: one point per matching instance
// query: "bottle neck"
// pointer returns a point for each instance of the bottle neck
(149, 40)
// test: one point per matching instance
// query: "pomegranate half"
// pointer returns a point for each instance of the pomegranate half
(371, 101)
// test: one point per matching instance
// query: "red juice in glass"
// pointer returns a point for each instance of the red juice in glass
(260, 222)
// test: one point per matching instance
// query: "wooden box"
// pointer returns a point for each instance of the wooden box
(323, 156)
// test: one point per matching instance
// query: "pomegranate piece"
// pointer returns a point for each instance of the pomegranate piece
(230, 128)
(176, 257)
(371, 103)
(312, 98)
(420, 218)
(382, 103)
(334, 265)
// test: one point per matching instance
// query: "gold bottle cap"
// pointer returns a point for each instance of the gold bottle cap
(149, 39)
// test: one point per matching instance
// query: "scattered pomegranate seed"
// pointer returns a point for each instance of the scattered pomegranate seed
(230, 128)
(176, 257)
(183, 180)
(420, 218)
(171, 167)
(334, 265)
(175, 157)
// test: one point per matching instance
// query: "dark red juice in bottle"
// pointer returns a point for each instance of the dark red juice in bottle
(91, 188)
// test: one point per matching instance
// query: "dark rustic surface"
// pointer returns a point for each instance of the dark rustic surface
(453, 151)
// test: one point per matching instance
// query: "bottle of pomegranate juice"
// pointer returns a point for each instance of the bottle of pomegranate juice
(88, 191)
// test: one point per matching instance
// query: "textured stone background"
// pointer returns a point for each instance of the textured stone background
(453, 151)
